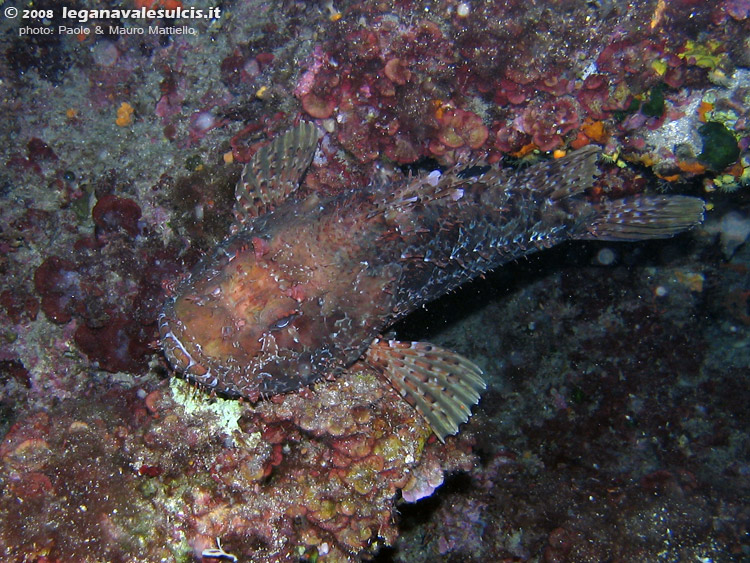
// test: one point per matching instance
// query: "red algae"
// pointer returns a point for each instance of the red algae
(56, 281)
(39, 150)
(120, 345)
(462, 128)
(19, 305)
(112, 213)
(593, 96)
(318, 107)
(397, 71)
(37, 153)
(548, 123)
(15, 370)
(231, 69)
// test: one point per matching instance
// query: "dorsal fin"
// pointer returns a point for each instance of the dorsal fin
(274, 173)
(566, 176)
(421, 189)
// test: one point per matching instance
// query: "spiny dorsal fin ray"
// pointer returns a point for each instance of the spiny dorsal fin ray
(439, 383)
(564, 177)
(554, 179)
(274, 173)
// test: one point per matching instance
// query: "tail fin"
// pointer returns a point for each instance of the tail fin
(645, 217)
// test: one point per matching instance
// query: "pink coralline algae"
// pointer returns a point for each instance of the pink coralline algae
(378, 85)
(481, 82)
(383, 92)
(423, 482)
(397, 71)
(510, 92)
(303, 475)
(317, 106)
(508, 139)
(627, 58)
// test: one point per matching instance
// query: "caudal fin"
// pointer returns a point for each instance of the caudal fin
(645, 217)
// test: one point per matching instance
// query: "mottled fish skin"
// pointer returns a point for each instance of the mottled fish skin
(305, 285)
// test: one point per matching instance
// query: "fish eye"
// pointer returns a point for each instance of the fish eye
(283, 321)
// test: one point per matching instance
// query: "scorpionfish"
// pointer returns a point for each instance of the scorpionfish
(304, 287)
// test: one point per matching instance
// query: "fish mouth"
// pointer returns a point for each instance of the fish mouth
(177, 353)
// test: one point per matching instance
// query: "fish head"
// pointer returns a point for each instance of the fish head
(248, 324)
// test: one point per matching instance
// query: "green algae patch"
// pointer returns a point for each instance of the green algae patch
(654, 105)
(181, 549)
(720, 148)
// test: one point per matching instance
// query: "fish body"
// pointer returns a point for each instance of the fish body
(305, 287)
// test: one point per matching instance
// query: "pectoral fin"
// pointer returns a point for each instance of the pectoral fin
(439, 383)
